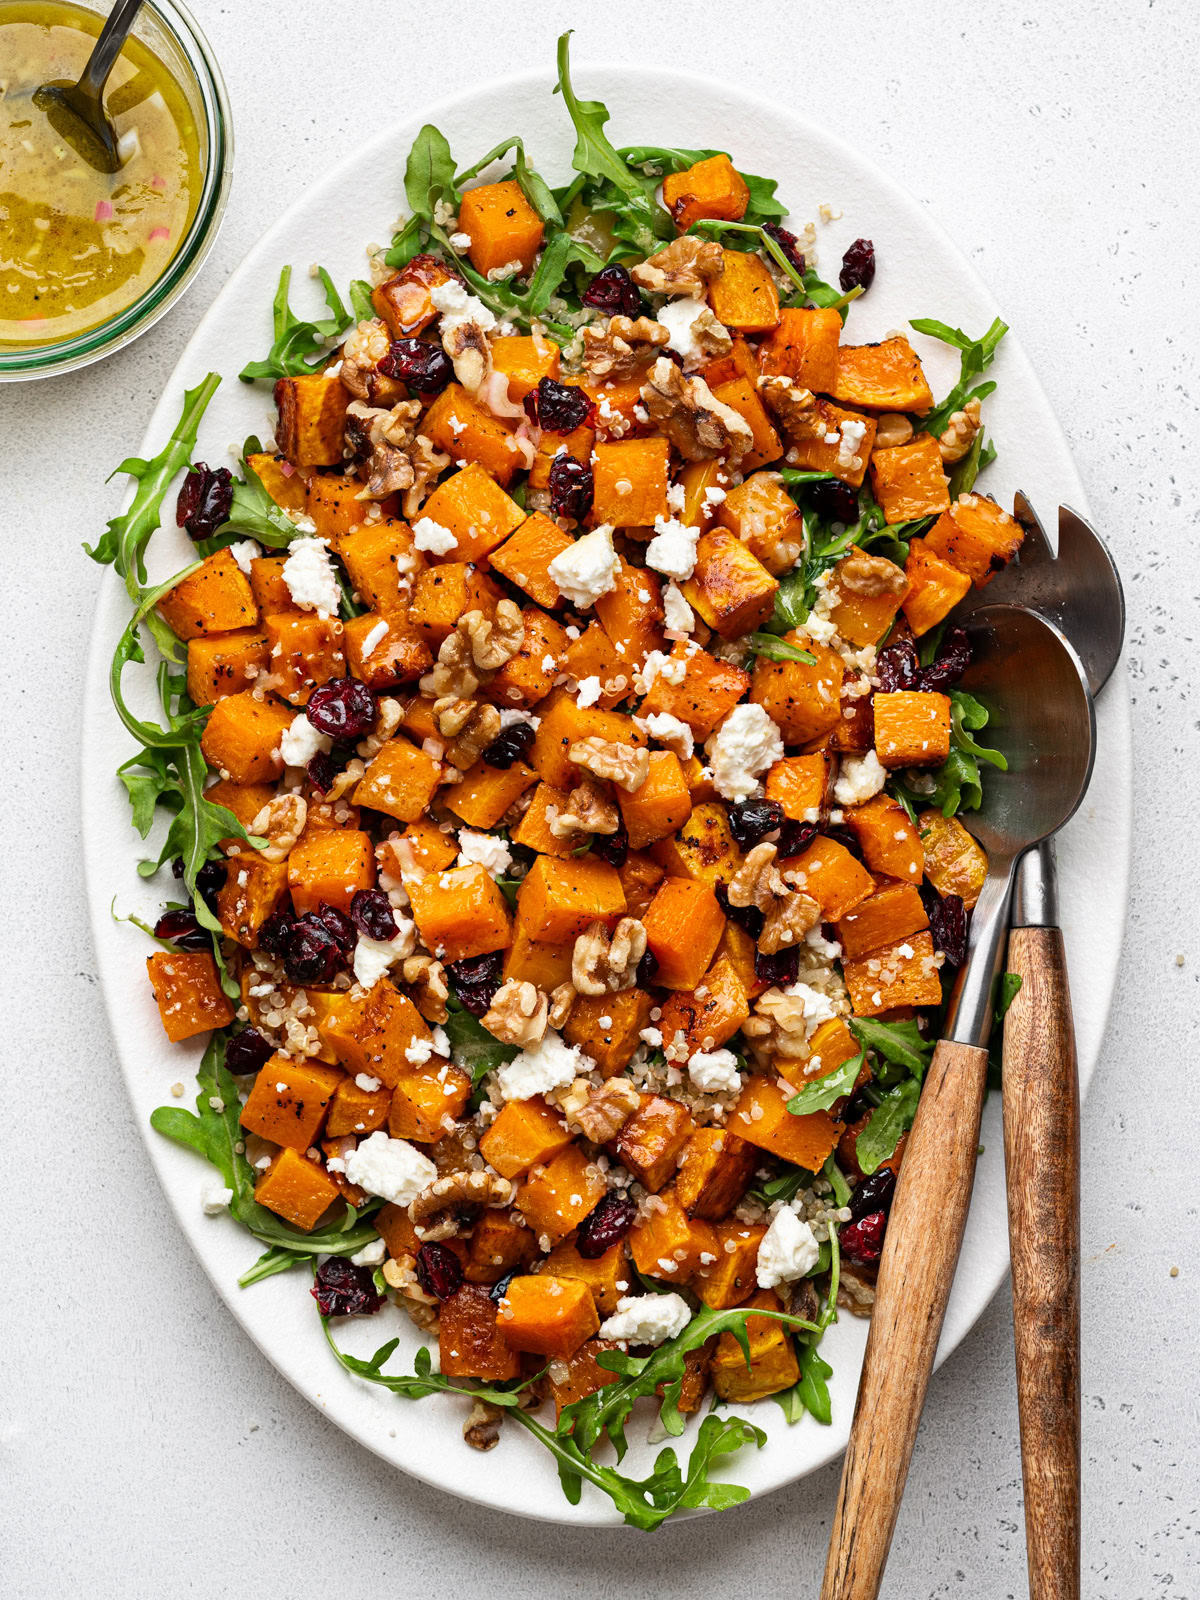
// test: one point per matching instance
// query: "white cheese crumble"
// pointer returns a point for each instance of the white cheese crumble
(788, 1251)
(310, 578)
(430, 535)
(214, 1198)
(850, 443)
(375, 637)
(672, 551)
(861, 777)
(670, 731)
(372, 1254)
(588, 569)
(677, 614)
(457, 306)
(647, 1319)
(680, 317)
(713, 496)
(244, 551)
(367, 1083)
(589, 691)
(816, 1006)
(745, 744)
(671, 669)
(492, 854)
(373, 957)
(676, 496)
(391, 1168)
(714, 1071)
(549, 1064)
(301, 742)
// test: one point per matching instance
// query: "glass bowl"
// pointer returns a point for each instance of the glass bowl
(169, 30)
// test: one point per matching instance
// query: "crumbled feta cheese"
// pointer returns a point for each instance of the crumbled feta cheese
(367, 1083)
(850, 442)
(391, 1168)
(672, 551)
(676, 496)
(669, 730)
(671, 669)
(457, 307)
(860, 778)
(647, 1319)
(652, 1037)
(680, 317)
(244, 551)
(745, 744)
(549, 1064)
(588, 569)
(713, 496)
(509, 717)
(827, 949)
(430, 535)
(589, 691)
(372, 1254)
(418, 1051)
(677, 614)
(373, 957)
(301, 742)
(375, 637)
(817, 1008)
(310, 578)
(714, 1071)
(489, 852)
(214, 1199)
(441, 1042)
(788, 1251)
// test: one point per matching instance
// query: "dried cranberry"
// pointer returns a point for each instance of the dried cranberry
(647, 970)
(748, 917)
(476, 980)
(343, 709)
(953, 659)
(834, 501)
(858, 266)
(862, 1241)
(425, 368)
(571, 487)
(614, 292)
(788, 243)
(606, 1226)
(439, 1271)
(182, 929)
(371, 913)
(344, 1290)
(947, 925)
(557, 407)
(205, 500)
(794, 836)
(338, 924)
(357, 437)
(897, 667)
(873, 1194)
(751, 820)
(514, 744)
(612, 847)
(782, 967)
(322, 770)
(248, 1051)
(275, 935)
(312, 955)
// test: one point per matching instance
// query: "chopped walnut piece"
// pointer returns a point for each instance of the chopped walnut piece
(427, 464)
(789, 404)
(434, 1212)
(893, 428)
(870, 576)
(758, 881)
(960, 432)
(281, 822)
(590, 809)
(481, 1430)
(469, 725)
(388, 715)
(427, 979)
(454, 671)
(494, 641)
(787, 921)
(400, 1275)
(466, 343)
(388, 433)
(698, 424)
(604, 963)
(350, 775)
(618, 347)
(364, 348)
(562, 1003)
(517, 1014)
(627, 765)
(855, 1294)
(685, 266)
(608, 1109)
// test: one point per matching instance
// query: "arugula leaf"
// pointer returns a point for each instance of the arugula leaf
(841, 1189)
(956, 786)
(776, 649)
(976, 356)
(658, 160)
(812, 1391)
(296, 339)
(822, 1092)
(785, 1187)
(892, 1116)
(792, 601)
(533, 186)
(901, 1043)
(253, 511)
(472, 1047)
(360, 300)
(967, 716)
(429, 175)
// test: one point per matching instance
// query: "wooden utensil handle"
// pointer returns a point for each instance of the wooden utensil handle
(1041, 1158)
(920, 1253)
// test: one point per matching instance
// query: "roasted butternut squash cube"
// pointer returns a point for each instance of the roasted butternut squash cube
(594, 655)
(631, 613)
(742, 396)
(955, 863)
(556, 1198)
(396, 1229)
(503, 227)
(740, 950)
(405, 302)
(670, 1245)
(305, 651)
(446, 592)
(533, 831)
(762, 1118)
(831, 1045)
(383, 563)
(885, 917)
(803, 700)
(912, 728)
(224, 663)
(660, 805)
(216, 598)
(859, 613)
(902, 974)
(528, 961)
(640, 877)
(908, 480)
(890, 843)
(188, 993)
(714, 1174)
(524, 360)
(977, 537)
(608, 1276)
(762, 514)
(606, 1027)
(934, 587)
(557, 900)
(312, 419)
(802, 785)
(332, 504)
(563, 723)
(882, 377)
(581, 1374)
(423, 841)
(527, 1133)
(546, 1315)
(397, 654)
(296, 1189)
(250, 894)
(486, 793)
(773, 1364)
(500, 1244)
(701, 695)
(854, 731)
(460, 913)
(245, 800)
(242, 736)
(630, 478)
(400, 781)
(744, 297)
(427, 1101)
(471, 1342)
(650, 1142)
(816, 438)
(730, 588)
(458, 424)
(704, 482)
(711, 188)
(527, 678)
(279, 478)
(683, 928)
(475, 510)
(290, 1101)
(828, 873)
(329, 868)
(732, 1278)
(524, 558)
(370, 1033)
(741, 362)
(709, 1014)
(356, 1110)
(271, 593)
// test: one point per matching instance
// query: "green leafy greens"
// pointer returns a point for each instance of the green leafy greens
(296, 340)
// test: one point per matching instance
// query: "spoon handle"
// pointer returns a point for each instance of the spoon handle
(1041, 1156)
(920, 1253)
(108, 47)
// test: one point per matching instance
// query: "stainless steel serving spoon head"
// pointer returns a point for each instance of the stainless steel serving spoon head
(76, 110)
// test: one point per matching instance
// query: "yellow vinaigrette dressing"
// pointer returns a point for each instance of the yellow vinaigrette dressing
(78, 246)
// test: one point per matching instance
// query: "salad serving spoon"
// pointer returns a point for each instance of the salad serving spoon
(76, 110)
(1036, 691)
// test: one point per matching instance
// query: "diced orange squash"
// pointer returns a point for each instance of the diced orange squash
(934, 587)
(711, 188)
(527, 678)
(332, 504)
(460, 913)
(329, 868)
(863, 618)
(526, 555)
(804, 700)
(267, 584)
(762, 1118)
(289, 1101)
(500, 1244)
(955, 863)
(683, 928)
(773, 1362)
(578, 443)
(400, 781)
(324, 815)
(977, 537)
(250, 894)
(651, 1141)
(397, 655)
(533, 830)
(242, 736)
(890, 843)
(524, 360)
(305, 651)
(245, 800)
(670, 1245)
(446, 592)
(528, 961)
(608, 1276)
(741, 362)
(912, 728)
(802, 785)
(631, 613)
(708, 690)
(396, 1229)
(458, 424)
(471, 1342)
(486, 793)
(710, 1013)
(902, 974)
(296, 1189)
(312, 419)
(546, 1315)
(383, 563)
(370, 1033)
(804, 347)
(882, 377)
(581, 1374)
(418, 719)
(424, 842)
(405, 301)
(607, 1027)
(760, 512)
(698, 477)
(427, 1101)
(744, 297)
(475, 510)
(279, 478)
(630, 477)
(502, 225)
(216, 598)
(557, 900)
(640, 877)
(908, 480)
(730, 588)
(854, 730)
(224, 663)
(714, 1173)
(886, 917)
(356, 1110)
(815, 442)
(660, 805)
(742, 396)
(832, 877)
(527, 1133)
(831, 1044)
(594, 655)
(732, 1278)
(704, 848)
(188, 993)
(556, 1198)
(563, 723)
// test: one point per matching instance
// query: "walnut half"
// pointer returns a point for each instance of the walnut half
(604, 963)
(517, 1014)
(700, 426)
(590, 809)
(626, 765)
(686, 266)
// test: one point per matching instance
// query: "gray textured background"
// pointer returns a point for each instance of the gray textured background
(147, 1447)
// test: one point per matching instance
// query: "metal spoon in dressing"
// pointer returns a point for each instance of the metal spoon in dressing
(76, 110)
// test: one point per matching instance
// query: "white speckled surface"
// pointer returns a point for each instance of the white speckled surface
(146, 1445)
